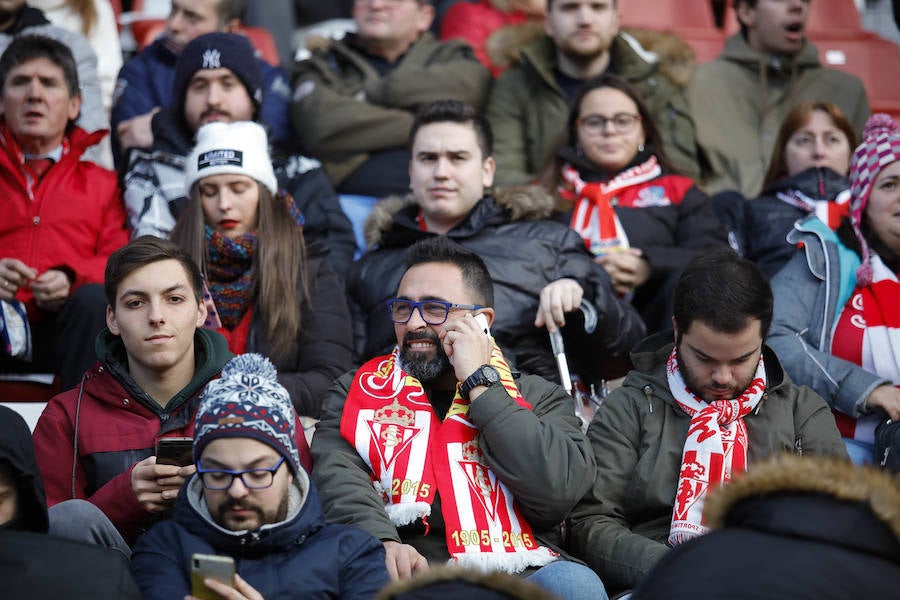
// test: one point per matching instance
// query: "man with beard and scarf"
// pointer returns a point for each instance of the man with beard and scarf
(689, 418)
(528, 103)
(443, 452)
(35, 565)
(251, 499)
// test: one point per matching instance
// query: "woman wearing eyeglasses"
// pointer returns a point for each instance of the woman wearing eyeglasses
(615, 186)
(273, 294)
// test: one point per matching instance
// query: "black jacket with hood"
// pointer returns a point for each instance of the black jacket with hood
(33, 565)
(523, 253)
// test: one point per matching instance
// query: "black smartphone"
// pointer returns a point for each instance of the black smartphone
(178, 451)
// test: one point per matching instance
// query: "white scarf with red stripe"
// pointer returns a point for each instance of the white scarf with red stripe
(413, 456)
(829, 212)
(593, 215)
(868, 333)
(715, 448)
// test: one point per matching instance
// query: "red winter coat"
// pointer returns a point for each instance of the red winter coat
(73, 219)
(475, 23)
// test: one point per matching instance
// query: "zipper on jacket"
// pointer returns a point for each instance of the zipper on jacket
(648, 393)
(798, 446)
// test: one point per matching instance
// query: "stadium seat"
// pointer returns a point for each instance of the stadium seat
(667, 16)
(874, 61)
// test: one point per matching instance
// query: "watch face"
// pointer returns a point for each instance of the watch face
(491, 374)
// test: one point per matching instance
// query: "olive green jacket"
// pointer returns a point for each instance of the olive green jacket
(740, 99)
(528, 110)
(621, 526)
(343, 109)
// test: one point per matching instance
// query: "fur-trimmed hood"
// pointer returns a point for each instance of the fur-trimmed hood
(826, 476)
(517, 203)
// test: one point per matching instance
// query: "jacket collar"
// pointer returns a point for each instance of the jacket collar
(737, 50)
(393, 221)
(812, 182)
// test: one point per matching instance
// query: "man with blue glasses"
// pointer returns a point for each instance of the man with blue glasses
(442, 451)
(251, 499)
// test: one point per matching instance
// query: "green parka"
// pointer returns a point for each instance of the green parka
(621, 526)
(343, 108)
(528, 110)
(740, 99)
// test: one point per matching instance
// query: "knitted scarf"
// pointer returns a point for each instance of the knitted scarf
(230, 274)
(715, 448)
(867, 334)
(413, 456)
(593, 215)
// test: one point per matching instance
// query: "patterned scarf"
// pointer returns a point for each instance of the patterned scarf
(715, 448)
(829, 212)
(868, 334)
(230, 274)
(594, 216)
(413, 456)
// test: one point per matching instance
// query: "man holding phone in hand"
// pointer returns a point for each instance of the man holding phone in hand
(253, 501)
(97, 441)
(443, 452)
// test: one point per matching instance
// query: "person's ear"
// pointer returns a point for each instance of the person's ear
(201, 313)
(111, 323)
(488, 168)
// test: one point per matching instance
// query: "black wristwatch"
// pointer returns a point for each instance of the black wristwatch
(485, 375)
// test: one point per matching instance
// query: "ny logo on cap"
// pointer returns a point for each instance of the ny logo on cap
(212, 59)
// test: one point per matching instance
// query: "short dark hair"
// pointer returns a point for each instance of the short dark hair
(141, 252)
(723, 291)
(736, 4)
(232, 9)
(30, 47)
(441, 249)
(455, 111)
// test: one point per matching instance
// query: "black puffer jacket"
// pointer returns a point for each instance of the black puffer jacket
(758, 228)
(523, 253)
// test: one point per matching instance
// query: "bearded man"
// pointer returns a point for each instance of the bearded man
(443, 452)
(689, 418)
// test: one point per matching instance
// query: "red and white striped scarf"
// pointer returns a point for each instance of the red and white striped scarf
(867, 334)
(829, 212)
(593, 215)
(715, 448)
(413, 456)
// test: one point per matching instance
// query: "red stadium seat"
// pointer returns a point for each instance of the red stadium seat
(146, 30)
(875, 61)
(263, 42)
(672, 16)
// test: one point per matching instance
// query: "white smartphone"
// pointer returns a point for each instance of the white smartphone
(482, 322)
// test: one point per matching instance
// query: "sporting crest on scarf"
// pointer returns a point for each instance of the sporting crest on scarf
(412, 456)
(715, 448)
(829, 212)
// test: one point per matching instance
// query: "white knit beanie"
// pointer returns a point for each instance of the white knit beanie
(240, 148)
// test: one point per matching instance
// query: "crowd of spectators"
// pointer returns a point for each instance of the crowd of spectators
(443, 233)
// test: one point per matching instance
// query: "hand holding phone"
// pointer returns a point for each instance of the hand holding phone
(178, 451)
(212, 566)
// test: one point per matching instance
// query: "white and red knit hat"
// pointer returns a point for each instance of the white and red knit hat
(879, 148)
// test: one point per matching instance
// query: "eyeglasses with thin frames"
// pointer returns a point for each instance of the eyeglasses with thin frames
(433, 312)
(596, 124)
(258, 478)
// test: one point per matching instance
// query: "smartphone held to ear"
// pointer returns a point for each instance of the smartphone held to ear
(210, 566)
(483, 323)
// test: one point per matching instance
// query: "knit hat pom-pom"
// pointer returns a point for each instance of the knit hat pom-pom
(250, 364)
(879, 124)
(864, 274)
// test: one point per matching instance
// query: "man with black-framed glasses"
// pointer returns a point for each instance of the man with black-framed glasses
(251, 499)
(443, 451)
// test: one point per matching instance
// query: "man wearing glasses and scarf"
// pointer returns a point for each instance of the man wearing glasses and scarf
(443, 452)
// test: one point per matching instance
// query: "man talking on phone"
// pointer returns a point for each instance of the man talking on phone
(252, 500)
(442, 451)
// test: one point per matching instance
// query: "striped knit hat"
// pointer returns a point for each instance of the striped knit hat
(247, 401)
(879, 148)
